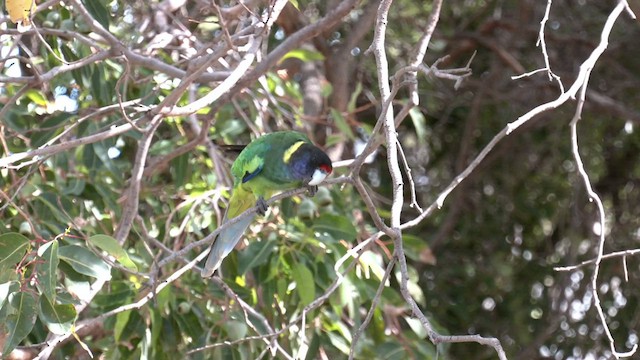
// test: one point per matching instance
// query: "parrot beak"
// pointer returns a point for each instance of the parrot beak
(320, 174)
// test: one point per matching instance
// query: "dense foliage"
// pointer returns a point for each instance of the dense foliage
(114, 118)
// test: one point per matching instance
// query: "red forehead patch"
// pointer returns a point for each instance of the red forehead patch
(326, 168)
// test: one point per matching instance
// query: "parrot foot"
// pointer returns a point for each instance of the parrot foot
(262, 206)
(312, 190)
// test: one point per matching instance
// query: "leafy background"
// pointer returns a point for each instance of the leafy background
(111, 164)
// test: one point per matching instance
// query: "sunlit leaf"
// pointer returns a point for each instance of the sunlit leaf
(416, 326)
(47, 269)
(36, 96)
(338, 342)
(372, 262)
(82, 343)
(85, 262)
(420, 124)
(304, 55)
(113, 248)
(19, 11)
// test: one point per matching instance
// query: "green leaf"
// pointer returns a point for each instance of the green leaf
(36, 97)
(156, 325)
(8, 276)
(7, 289)
(420, 124)
(74, 186)
(339, 227)
(89, 158)
(55, 202)
(254, 255)
(304, 55)
(47, 269)
(416, 326)
(342, 124)
(180, 169)
(113, 248)
(353, 100)
(20, 322)
(391, 350)
(85, 262)
(101, 149)
(235, 329)
(121, 323)
(99, 88)
(59, 318)
(129, 324)
(49, 128)
(98, 11)
(305, 285)
(372, 262)
(416, 249)
(13, 246)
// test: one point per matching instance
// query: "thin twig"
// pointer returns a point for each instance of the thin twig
(374, 305)
(623, 254)
(593, 196)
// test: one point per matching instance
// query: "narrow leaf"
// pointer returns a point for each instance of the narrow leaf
(82, 344)
(420, 123)
(353, 100)
(98, 11)
(305, 285)
(342, 124)
(303, 55)
(255, 255)
(13, 246)
(20, 322)
(113, 248)
(47, 270)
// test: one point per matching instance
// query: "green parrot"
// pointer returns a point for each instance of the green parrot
(272, 163)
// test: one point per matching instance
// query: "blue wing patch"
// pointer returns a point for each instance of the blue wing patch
(250, 175)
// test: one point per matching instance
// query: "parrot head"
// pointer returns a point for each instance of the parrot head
(310, 164)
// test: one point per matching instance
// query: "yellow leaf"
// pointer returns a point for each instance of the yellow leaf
(19, 11)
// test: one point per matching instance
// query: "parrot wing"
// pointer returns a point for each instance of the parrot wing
(226, 241)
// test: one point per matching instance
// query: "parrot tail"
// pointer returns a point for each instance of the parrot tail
(227, 240)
